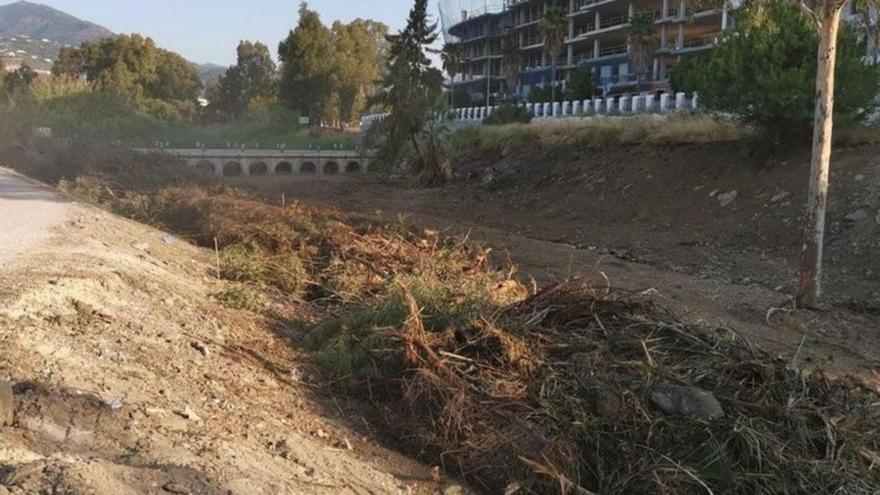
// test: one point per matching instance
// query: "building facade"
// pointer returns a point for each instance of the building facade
(597, 40)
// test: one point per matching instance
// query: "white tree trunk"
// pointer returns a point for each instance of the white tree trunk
(809, 284)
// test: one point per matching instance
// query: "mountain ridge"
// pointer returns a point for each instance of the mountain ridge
(38, 21)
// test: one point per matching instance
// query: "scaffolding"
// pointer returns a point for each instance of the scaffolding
(453, 12)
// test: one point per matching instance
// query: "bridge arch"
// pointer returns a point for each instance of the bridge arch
(353, 167)
(308, 168)
(206, 167)
(232, 169)
(259, 168)
(283, 168)
(331, 168)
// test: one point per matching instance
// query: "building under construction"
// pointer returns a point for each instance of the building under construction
(598, 41)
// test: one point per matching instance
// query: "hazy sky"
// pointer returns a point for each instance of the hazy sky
(209, 30)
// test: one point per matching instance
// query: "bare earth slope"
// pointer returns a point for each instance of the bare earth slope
(130, 379)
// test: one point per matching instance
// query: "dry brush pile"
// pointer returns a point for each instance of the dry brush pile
(569, 389)
(577, 391)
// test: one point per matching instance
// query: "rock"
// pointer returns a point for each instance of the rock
(453, 490)
(857, 216)
(687, 401)
(172, 487)
(189, 414)
(859, 177)
(201, 347)
(779, 197)
(7, 404)
(727, 198)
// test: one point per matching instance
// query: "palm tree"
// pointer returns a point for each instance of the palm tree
(553, 27)
(641, 44)
(511, 62)
(452, 56)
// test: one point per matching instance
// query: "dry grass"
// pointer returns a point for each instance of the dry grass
(576, 134)
(552, 395)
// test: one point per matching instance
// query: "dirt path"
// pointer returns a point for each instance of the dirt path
(28, 211)
(840, 340)
(130, 379)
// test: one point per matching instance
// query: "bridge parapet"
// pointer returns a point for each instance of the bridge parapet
(236, 163)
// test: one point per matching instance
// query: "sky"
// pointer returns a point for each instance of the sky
(208, 31)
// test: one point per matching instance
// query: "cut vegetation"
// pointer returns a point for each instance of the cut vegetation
(573, 388)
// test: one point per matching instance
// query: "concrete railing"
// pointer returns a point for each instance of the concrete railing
(614, 105)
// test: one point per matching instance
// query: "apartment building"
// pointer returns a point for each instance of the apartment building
(597, 39)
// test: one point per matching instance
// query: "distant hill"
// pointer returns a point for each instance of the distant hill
(35, 21)
(33, 34)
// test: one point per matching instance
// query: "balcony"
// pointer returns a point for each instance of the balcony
(531, 41)
(612, 50)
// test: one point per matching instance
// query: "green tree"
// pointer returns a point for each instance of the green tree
(360, 47)
(307, 66)
(552, 28)
(20, 79)
(157, 80)
(642, 45)
(249, 82)
(764, 72)
(451, 57)
(410, 90)
(580, 84)
(825, 22)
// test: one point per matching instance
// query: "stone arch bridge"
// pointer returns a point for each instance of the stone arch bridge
(244, 163)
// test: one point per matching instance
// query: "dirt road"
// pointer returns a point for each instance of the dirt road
(28, 211)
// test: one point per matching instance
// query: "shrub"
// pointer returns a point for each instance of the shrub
(764, 72)
(508, 114)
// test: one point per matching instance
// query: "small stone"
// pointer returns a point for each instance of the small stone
(857, 216)
(687, 401)
(7, 404)
(727, 198)
(172, 487)
(779, 197)
(189, 414)
(453, 490)
(201, 347)
(859, 177)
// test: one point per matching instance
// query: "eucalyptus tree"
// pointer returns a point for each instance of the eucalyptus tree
(552, 28)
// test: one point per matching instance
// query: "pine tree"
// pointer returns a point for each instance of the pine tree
(410, 91)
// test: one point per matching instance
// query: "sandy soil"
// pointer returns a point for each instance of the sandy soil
(130, 379)
(651, 219)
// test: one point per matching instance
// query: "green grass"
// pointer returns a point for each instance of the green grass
(253, 135)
